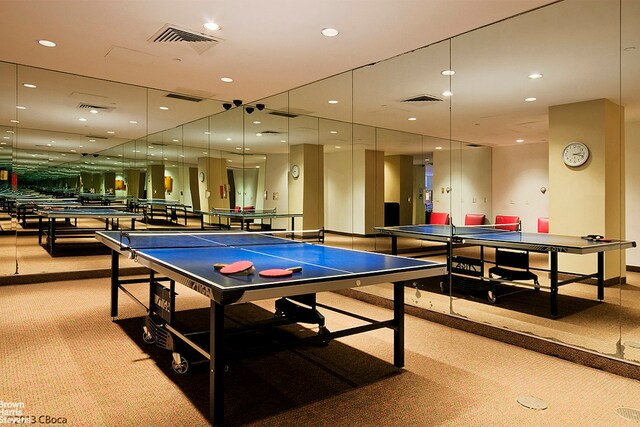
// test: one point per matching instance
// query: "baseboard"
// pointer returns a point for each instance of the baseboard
(24, 279)
(586, 358)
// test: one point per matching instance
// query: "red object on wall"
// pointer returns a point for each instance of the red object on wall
(14, 180)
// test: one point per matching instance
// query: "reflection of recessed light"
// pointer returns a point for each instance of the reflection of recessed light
(333, 131)
(47, 43)
(204, 152)
(531, 99)
(535, 76)
(411, 119)
(207, 133)
(519, 140)
(447, 93)
(333, 101)
(229, 160)
(73, 151)
(426, 160)
(93, 111)
(337, 146)
(238, 148)
(258, 167)
(447, 72)
(258, 134)
(164, 108)
(6, 137)
(283, 140)
(247, 149)
(226, 79)
(133, 122)
(257, 122)
(92, 140)
(329, 32)
(175, 140)
(29, 85)
(82, 119)
(228, 139)
(110, 132)
(438, 148)
(10, 131)
(80, 146)
(212, 26)
(151, 147)
(15, 121)
(20, 107)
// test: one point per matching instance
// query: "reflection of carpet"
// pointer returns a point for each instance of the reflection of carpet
(523, 300)
(271, 382)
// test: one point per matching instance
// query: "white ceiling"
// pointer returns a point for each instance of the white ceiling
(266, 46)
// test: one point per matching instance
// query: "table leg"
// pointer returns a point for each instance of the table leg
(600, 276)
(39, 230)
(115, 281)
(394, 245)
(398, 321)
(52, 235)
(216, 364)
(554, 282)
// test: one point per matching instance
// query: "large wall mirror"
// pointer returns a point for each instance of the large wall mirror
(463, 130)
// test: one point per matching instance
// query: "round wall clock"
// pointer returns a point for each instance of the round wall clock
(575, 154)
(201, 175)
(295, 171)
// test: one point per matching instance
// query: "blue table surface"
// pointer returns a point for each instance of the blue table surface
(195, 255)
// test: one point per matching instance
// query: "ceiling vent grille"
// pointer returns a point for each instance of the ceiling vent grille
(422, 98)
(172, 34)
(85, 106)
(283, 114)
(183, 97)
(270, 132)
(96, 137)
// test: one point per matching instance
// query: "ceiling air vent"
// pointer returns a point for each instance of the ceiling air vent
(172, 34)
(183, 97)
(283, 114)
(96, 137)
(422, 98)
(85, 106)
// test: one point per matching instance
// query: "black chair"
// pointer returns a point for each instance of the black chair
(512, 265)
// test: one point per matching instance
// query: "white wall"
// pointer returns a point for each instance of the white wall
(276, 172)
(343, 192)
(519, 172)
(632, 160)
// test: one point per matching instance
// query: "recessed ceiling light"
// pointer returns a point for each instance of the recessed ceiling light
(258, 134)
(47, 43)
(93, 111)
(133, 122)
(447, 72)
(258, 167)
(257, 122)
(531, 99)
(20, 107)
(110, 132)
(228, 139)
(29, 85)
(438, 148)
(175, 140)
(333, 101)
(164, 108)
(519, 140)
(82, 119)
(447, 93)
(535, 76)
(15, 121)
(227, 79)
(212, 26)
(333, 131)
(330, 32)
(411, 119)
(337, 146)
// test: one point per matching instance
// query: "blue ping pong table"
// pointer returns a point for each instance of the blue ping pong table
(494, 237)
(188, 258)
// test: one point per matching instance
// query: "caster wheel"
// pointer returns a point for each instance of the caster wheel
(148, 336)
(491, 296)
(279, 313)
(442, 287)
(181, 366)
(324, 331)
(537, 287)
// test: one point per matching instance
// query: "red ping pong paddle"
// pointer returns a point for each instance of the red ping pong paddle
(238, 267)
(280, 272)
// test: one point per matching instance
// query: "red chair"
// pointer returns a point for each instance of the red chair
(512, 222)
(439, 218)
(543, 224)
(474, 219)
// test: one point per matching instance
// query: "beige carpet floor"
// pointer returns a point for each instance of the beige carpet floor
(62, 356)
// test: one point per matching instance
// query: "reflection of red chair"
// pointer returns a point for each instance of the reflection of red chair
(439, 218)
(512, 222)
(237, 209)
(543, 224)
(474, 219)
